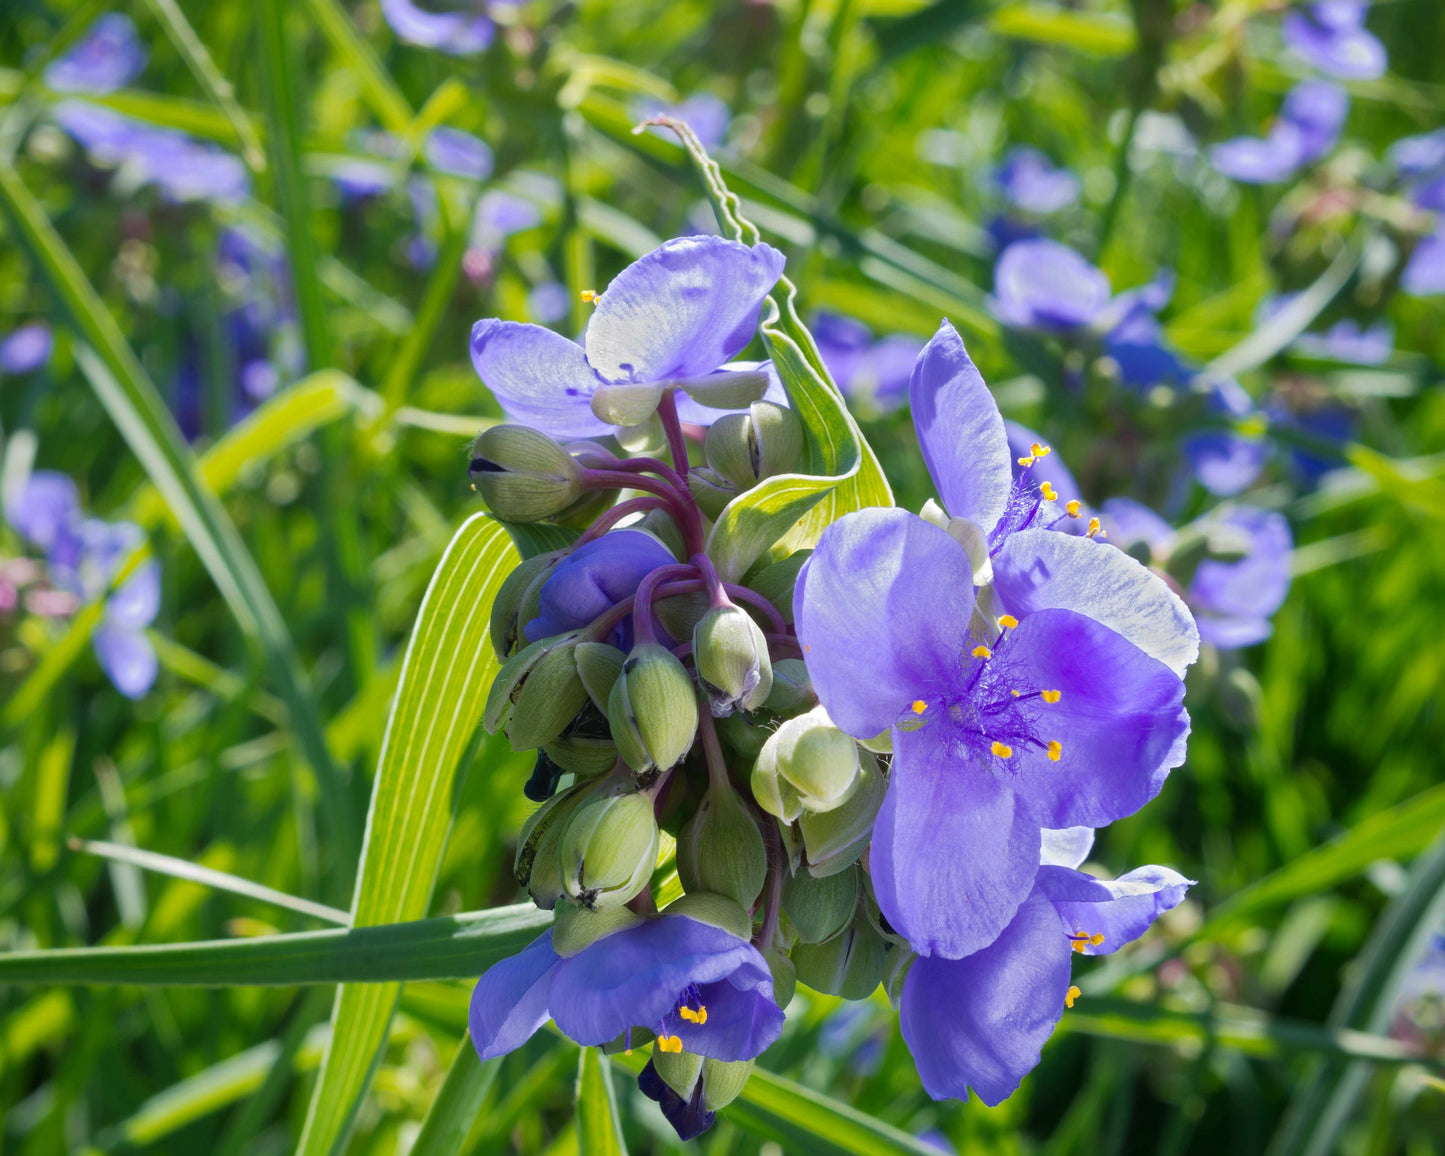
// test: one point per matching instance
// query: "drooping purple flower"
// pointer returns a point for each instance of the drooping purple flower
(640, 977)
(1309, 124)
(109, 56)
(707, 115)
(1041, 284)
(464, 30)
(981, 1022)
(459, 153)
(1024, 705)
(669, 320)
(1331, 35)
(26, 349)
(872, 372)
(1030, 181)
(593, 579)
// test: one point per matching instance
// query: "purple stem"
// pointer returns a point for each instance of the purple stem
(753, 598)
(676, 443)
(609, 518)
(642, 624)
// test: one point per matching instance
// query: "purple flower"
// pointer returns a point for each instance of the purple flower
(1346, 341)
(874, 372)
(1049, 468)
(593, 579)
(1226, 463)
(499, 214)
(1424, 272)
(981, 1022)
(1309, 124)
(459, 153)
(670, 319)
(1041, 284)
(1030, 181)
(549, 302)
(707, 115)
(1049, 698)
(27, 348)
(640, 977)
(109, 56)
(1331, 35)
(45, 509)
(462, 32)
(1232, 597)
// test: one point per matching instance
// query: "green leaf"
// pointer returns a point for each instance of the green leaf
(355, 53)
(447, 947)
(842, 472)
(1097, 34)
(445, 677)
(599, 1132)
(458, 1101)
(123, 387)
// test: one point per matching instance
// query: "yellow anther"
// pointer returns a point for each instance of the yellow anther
(1002, 750)
(1007, 621)
(1071, 995)
(1026, 462)
(1096, 528)
(698, 1017)
(919, 706)
(589, 296)
(1051, 696)
(1039, 450)
(1072, 508)
(982, 652)
(1015, 693)
(1049, 493)
(1079, 945)
(1096, 939)
(702, 1011)
(1056, 750)
(674, 1043)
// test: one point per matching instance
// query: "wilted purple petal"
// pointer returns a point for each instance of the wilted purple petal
(593, 579)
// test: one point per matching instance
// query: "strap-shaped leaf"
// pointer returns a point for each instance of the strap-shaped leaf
(599, 1132)
(445, 676)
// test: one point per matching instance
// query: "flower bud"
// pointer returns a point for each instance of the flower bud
(537, 867)
(745, 448)
(834, 839)
(576, 927)
(808, 764)
(717, 910)
(507, 620)
(792, 690)
(785, 974)
(542, 783)
(537, 693)
(598, 666)
(609, 850)
(522, 474)
(742, 735)
(776, 582)
(721, 849)
(652, 709)
(584, 755)
(732, 660)
(849, 965)
(710, 490)
(679, 614)
(821, 908)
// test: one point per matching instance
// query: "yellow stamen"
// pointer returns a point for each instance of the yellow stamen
(1040, 451)
(1072, 508)
(1056, 750)
(1026, 462)
(1015, 693)
(1096, 529)
(1051, 696)
(589, 296)
(698, 1017)
(1050, 495)
(919, 706)
(1007, 621)
(1071, 995)
(674, 1043)
(1096, 939)
(702, 1011)
(1079, 946)
(982, 652)
(1002, 751)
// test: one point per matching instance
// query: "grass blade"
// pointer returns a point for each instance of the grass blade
(599, 1132)
(458, 1101)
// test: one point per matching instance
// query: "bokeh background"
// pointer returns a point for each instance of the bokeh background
(292, 214)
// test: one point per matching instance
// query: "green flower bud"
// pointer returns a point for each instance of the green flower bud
(537, 693)
(717, 910)
(816, 763)
(522, 474)
(576, 927)
(598, 666)
(776, 582)
(609, 850)
(821, 908)
(745, 448)
(849, 965)
(723, 1081)
(710, 490)
(743, 736)
(774, 794)
(584, 755)
(785, 974)
(792, 690)
(721, 849)
(680, 1071)
(652, 709)
(660, 525)
(732, 660)
(834, 839)
(680, 613)
(506, 621)
(537, 867)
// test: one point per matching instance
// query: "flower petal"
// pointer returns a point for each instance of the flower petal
(44, 508)
(742, 1018)
(540, 378)
(455, 33)
(954, 851)
(1119, 720)
(882, 610)
(1225, 463)
(1256, 585)
(509, 1002)
(1121, 910)
(1067, 847)
(1128, 522)
(960, 431)
(1037, 570)
(681, 310)
(981, 1022)
(127, 657)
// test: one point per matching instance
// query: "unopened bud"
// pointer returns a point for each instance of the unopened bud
(776, 582)
(792, 690)
(716, 910)
(609, 850)
(849, 965)
(522, 474)
(721, 849)
(598, 666)
(808, 764)
(745, 448)
(576, 927)
(710, 490)
(742, 735)
(821, 908)
(584, 755)
(652, 709)
(785, 974)
(507, 620)
(537, 867)
(834, 839)
(723, 1081)
(537, 693)
(679, 614)
(732, 660)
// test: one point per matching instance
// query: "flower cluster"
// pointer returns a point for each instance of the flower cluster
(878, 761)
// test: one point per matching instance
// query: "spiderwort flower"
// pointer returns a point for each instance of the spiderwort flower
(980, 1022)
(1041, 284)
(707, 115)
(462, 32)
(26, 349)
(1331, 35)
(1030, 181)
(872, 372)
(1309, 124)
(458, 153)
(593, 579)
(109, 56)
(697, 987)
(672, 318)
